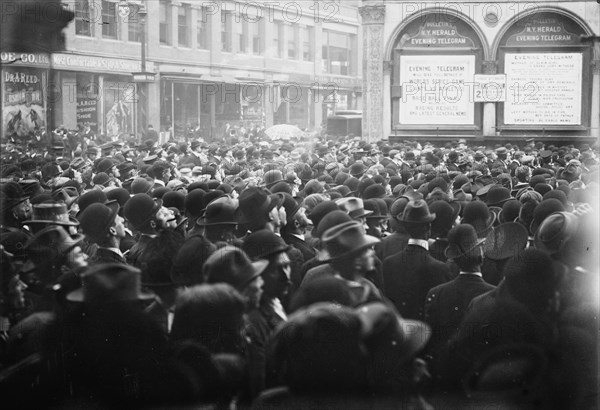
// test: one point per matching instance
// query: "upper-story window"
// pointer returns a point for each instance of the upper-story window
(255, 34)
(337, 53)
(183, 25)
(164, 22)
(202, 29)
(307, 41)
(292, 42)
(226, 29)
(134, 26)
(110, 22)
(277, 34)
(83, 20)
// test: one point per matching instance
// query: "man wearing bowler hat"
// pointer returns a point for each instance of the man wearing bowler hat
(446, 304)
(409, 274)
(102, 225)
(15, 207)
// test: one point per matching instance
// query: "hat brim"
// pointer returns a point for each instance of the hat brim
(450, 254)
(428, 219)
(78, 296)
(368, 241)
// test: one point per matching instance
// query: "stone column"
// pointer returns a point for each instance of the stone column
(489, 108)
(387, 96)
(595, 113)
(372, 22)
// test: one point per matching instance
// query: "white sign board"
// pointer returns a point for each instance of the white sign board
(489, 87)
(437, 90)
(543, 89)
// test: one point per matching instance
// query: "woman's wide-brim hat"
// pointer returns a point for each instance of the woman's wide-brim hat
(110, 282)
(344, 240)
(505, 240)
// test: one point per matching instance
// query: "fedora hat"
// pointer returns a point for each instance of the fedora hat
(13, 194)
(110, 282)
(353, 206)
(220, 211)
(556, 230)
(416, 212)
(404, 337)
(54, 213)
(343, 240)
(462, 239)
(231, 265)
(51, 242)
(255, 202)
(505, 240)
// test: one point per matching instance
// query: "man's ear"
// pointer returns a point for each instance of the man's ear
(153, 224)
(112, 231)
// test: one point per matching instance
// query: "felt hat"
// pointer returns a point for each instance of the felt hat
(320, 211)
(478, 215)
(175, 199)
(510, 211)
(233, 266)
(543, 210)
(374, 191)
(110, 282)
(344, 240)
(445, 215)
(219, 211)
(497, 195)
(140, 209)
(97, 218)
(272, 177)
(382, 326)
(12, 195)
(505, 240)
(54, 213)
(462, 240)
(51, 242)
(194, 202)
(416, 212)
(373, 206)
(105, 165)
(262, 244)
(353, 207)
(357, 169)
(555, 231)
(89, 198)
(255, 203)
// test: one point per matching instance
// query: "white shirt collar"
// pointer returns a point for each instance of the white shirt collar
(299, 236)
(471, 273)
(419, 242)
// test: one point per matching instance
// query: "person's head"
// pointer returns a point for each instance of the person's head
(15, 204)
(102, 225)
(212, 315)
(231, 265)
(416, 219)
(145, 214)
(465, 248)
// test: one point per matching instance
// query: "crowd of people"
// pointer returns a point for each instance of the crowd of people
(300, 274)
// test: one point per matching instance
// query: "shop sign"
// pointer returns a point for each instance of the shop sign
(543, 32)
(543, 88)
(437, 34)
(71, 62)
(437, 90)
(23, 102)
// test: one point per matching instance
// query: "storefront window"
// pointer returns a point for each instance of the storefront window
(110, 22)
(83, 21)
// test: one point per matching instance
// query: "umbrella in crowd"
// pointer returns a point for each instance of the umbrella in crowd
(284, 132)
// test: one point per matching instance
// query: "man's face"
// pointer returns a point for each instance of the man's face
(301, 220)
(253, 292)
(22, 210)
(366, 260)
(77, 258)
(119, 227)
(165, 219)
(277, 276)
(115, 171)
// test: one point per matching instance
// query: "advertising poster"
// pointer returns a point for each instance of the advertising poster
(437, 90)
(23, 101)
(543, 89)
(118, 108)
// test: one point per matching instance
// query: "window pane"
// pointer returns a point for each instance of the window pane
(291, 42)
(164, 23)
(225, 31)
(109, 20)
(183, 28)
(276, 39)
(83, 24)
(133, 22)
(307, 52)
(202, 30)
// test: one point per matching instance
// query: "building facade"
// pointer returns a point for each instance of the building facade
(212, 63)
(481, 70)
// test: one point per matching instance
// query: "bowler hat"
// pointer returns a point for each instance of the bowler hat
(556, 230)
(231, 265)
(445, 215)
(462, 240)
(255, 203)
(497, 195)
(344, 240)
(101, 178)
(272, 177)
(353, 207)
(290, 205)
(261, 244)
(110, 282)
(357, 169)
(97, 219)
(374, 191)
(505, 240)
(478, 215)
(510, 211)
(194, 202)
(220, 211)
(141, 185)
(320, 211)
(12, 195)
(89, 198)
(105, 165)
(543, 210)
(416, 212)
(141, 208)
(373, 206)
(174, 199)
